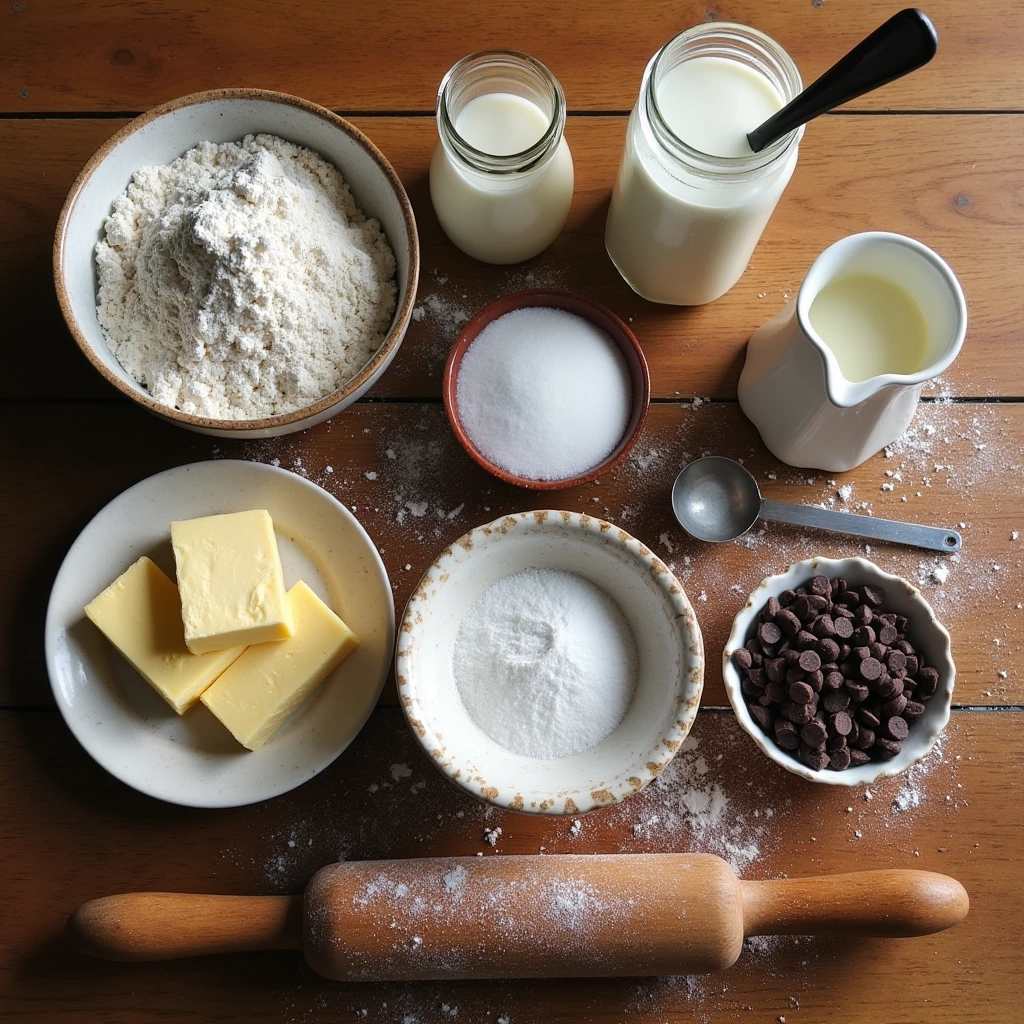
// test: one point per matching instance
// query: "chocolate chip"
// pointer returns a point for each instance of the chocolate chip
(776, 692)
(834, 681)
(762, 716)
(815, 680)
(865, 738)
(799, 714)
(912, 664)
(841, 723)
(814, 734)
(895, 660)
(913, 710)
(828, 650)
(801, 693)
(927, 681)
(843, 611)
(769, 633)
(786, 598)
(787, 735)
(858, 691)
(754, 646)
(896, 706)
(873, 596)
(835, 700)
(897, 727)
(820, 585)
(824, 627)
(870, 669)
(887, 749)
(887, 635)
(771, 609)
(841, 759)
(850, 598)
(835, 742)
(878, 651)
(814, 759)
(863, 636)
(788, 622)
(742, 659)
(860, 653)
(843, 628)
(810, 661)
(775, 669)
(803, 640)
(902, 622)
(858, 757)
(802, 608)
(862, 615)
(866, 717)
(750, 689)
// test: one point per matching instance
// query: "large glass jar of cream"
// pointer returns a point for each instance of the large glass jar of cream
(691, 198)
(501, 176)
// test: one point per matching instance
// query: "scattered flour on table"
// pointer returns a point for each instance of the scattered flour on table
(241, 281)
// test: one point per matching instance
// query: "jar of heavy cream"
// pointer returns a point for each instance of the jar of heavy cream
(501, 176)
(691, 198)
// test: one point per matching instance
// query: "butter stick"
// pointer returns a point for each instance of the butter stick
(230, 581)
(140, 614)
(269, 681)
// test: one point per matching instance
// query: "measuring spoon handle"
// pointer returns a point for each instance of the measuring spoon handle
(931, 537)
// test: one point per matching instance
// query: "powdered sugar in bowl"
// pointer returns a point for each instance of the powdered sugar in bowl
(289, 131)
(669, 668)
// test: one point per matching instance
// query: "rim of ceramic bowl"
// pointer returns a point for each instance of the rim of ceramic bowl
(927, 728)
(688, 683)
(571, 302)
(400, 320)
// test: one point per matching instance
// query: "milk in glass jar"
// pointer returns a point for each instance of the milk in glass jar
(691, 198)
(501, 177)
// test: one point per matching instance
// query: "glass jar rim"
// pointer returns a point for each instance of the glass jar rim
(775, 64)
(490, 163)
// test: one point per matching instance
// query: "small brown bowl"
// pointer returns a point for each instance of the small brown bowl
(571, 303)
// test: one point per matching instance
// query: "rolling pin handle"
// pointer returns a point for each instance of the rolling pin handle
(169, 925)
(889, 903)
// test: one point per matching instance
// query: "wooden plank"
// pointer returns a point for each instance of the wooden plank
(76, 55)
(70, 460)
(71, 833)
(943, 180)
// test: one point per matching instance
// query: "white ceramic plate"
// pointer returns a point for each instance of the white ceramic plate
(192, 759)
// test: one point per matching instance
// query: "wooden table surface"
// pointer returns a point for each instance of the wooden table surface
(938, 156)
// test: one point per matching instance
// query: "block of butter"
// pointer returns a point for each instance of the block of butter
(264, 686)
(230, 581)
(140, 614)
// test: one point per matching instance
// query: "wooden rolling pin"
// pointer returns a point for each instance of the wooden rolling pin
(519, 916)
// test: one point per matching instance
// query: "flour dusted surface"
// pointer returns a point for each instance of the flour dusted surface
(241, 281)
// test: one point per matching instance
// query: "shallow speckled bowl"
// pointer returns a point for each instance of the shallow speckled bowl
(226, 115)
(669, 684)
(926, 633)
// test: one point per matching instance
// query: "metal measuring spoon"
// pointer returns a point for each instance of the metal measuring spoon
(716, 499)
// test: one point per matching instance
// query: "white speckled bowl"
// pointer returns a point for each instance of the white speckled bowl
(926, 633)
(670, 676)
(226, 115)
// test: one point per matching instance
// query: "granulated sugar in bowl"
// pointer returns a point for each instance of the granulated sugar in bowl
(592, 633)
(546, 389)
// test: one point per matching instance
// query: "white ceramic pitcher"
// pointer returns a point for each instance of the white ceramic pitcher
(792, 389)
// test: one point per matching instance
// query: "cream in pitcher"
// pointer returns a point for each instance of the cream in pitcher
(836, 376)
(691, 198)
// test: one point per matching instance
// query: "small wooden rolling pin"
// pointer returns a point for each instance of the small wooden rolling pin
(519, 916)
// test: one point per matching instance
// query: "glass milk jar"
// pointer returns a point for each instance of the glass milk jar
(691, 198)
(501, 176)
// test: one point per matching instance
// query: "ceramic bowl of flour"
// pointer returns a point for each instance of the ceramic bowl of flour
(669, 667)
(227, 115)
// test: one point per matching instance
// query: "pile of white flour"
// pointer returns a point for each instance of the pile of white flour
(241, 281)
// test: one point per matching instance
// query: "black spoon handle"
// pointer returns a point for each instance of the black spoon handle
(904, 43)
